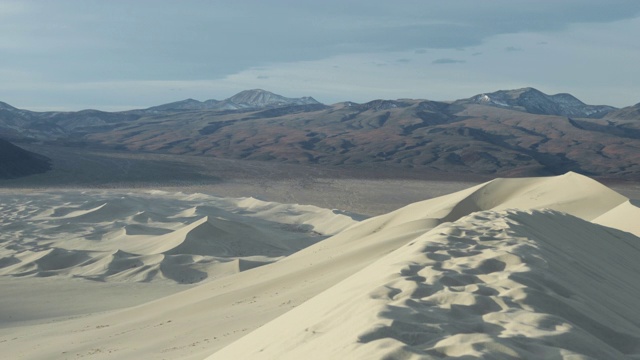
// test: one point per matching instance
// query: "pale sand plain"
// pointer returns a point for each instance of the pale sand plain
(511, 268)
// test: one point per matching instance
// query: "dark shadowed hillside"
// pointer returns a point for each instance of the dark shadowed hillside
(17, 162)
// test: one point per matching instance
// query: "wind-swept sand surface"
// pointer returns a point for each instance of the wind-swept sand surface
(512, 268)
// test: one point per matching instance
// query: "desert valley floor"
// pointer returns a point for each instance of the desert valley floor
(335, 268)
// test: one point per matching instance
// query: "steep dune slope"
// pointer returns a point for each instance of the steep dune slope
(624, 217)
(495, 284)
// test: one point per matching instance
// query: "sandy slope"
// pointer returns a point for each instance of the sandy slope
(625, 216)
(499, 284)
(482, 272)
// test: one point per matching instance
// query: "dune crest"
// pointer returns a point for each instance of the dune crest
(465, 277)
(504, 284)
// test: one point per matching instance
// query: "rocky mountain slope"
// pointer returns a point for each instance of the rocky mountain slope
(626, 113)
(508, 133)
(536, 102)
(248, 99)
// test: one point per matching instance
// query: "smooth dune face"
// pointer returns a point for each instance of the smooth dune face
(513, 268)
(625, 216)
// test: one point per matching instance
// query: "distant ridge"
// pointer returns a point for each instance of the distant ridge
(626, 113)
(262, 98)
(6, 107)
(536, 102)
(188, 104)
(247, 99)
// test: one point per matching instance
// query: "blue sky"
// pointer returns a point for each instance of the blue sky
(116, 55)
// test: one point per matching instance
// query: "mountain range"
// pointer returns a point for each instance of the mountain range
(507, 132)
(244, 100)
(533, 101)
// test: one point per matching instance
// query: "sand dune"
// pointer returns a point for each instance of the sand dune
(499, 284)
(513, 268)
(624, 217)
(185, 238)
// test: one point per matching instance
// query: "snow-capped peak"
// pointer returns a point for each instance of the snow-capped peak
(537, 102)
